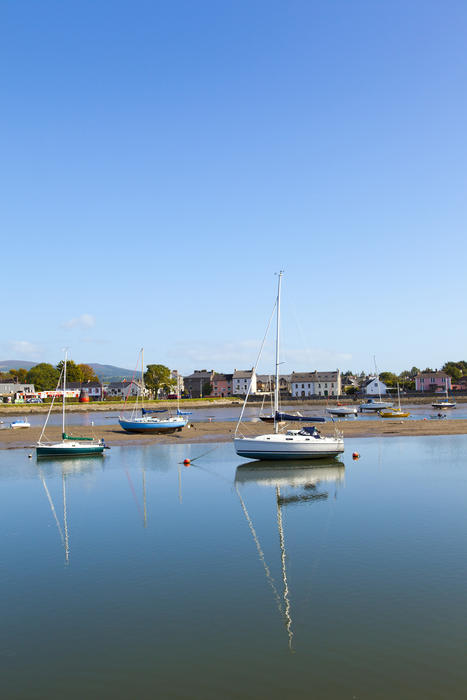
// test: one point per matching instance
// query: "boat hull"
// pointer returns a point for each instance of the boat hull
(69, 451)
(393, 414)
(341, 412)
(152, 426)
(255, 448)
(375, 406)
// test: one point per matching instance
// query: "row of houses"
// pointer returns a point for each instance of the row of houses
(240, 382)
(202, 383)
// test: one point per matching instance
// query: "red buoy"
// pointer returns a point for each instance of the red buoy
(355, 455)
(186, 462)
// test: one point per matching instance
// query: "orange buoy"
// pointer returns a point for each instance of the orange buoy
(355, 455)
(186, 462)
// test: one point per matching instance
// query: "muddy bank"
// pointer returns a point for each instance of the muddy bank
(223, 431)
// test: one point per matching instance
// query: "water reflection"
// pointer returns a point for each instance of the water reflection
(294, 476)
(67, 466)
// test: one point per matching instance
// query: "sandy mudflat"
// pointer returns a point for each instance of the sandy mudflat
(222, 431)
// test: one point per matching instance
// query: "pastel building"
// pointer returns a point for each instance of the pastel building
(222, 385)
(432, 381)
(242, 380)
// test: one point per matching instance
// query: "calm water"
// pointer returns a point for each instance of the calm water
(133, 576)
(227, 413)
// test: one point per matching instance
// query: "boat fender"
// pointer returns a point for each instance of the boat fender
(355, 455)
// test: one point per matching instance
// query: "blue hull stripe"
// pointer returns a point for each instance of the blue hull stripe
(287, 455)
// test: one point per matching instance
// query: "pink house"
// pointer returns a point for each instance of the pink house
(432, 381)
(222, 385)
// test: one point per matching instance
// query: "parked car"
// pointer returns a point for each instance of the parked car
(36, 400)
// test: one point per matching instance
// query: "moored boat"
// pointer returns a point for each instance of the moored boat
(70, 446)
(307, 443)
(374, 405)
(342, 411)
(395, 412)
(147, 422)
(20, 423)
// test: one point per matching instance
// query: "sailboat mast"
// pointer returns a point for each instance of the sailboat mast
(64, 390)
(142, 377)
(278, 323)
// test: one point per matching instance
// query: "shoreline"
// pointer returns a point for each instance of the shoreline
(223, 431)
(100, 406)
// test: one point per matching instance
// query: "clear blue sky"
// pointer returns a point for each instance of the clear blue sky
(160, 161)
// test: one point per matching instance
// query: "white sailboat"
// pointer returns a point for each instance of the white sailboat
(375, 404)
(444, 403)
(306, 443)
(70, 446)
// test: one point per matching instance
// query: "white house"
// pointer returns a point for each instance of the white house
(302, 384)
(315, 384)
(328, 383)
(242, 380)
(125, 389)
(374, 387)
(7, 388)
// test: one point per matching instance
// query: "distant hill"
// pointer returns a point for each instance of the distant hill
(110, 373)
(5, 365)
(106, 373)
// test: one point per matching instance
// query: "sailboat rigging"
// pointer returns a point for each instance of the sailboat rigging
(70, 446)
(307, 443)
(146, 422)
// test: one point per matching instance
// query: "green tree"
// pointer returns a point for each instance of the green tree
(43, 376)
(73, 372)
(87, 374)
(19, 375)
(158, 377)
(456, 370)
(207, 389)
(389, 378)
(414, 371)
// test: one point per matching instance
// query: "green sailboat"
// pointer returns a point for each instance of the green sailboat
(70, 446)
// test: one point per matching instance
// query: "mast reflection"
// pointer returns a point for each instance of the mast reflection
(295, 475)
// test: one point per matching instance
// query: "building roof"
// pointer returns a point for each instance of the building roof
(437, 373)
(243, 373)
(83, 385)
(327, 376)
(200, 374)
(303, 377)
(124, 384)
(222, 378)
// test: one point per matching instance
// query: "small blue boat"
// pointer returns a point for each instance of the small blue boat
(148, 424)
